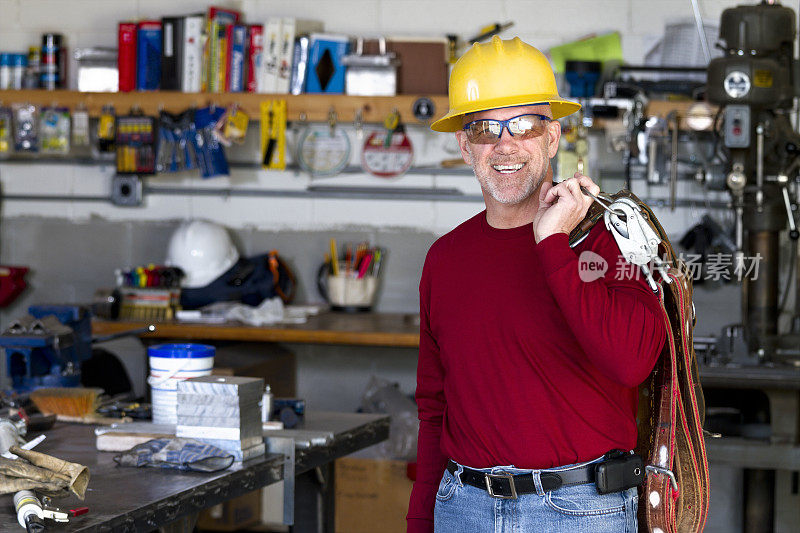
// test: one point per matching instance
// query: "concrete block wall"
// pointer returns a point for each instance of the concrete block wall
(93, 23)
(73, 246)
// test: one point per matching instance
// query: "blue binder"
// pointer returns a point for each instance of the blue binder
(148, 56)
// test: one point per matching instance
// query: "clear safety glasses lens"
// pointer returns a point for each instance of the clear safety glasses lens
(488, 131)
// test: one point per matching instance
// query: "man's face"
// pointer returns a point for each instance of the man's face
(497, 166)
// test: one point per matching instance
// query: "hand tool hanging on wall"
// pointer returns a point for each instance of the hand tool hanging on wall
(55, 130)
(26, 128)
(5, 131)
(235, 125)
(210, 153)
(324, 150)
(176, 151)
(80, 126)
(273, 134)
(136, 144)
(489, 31)
(388, 154)
(106, 132)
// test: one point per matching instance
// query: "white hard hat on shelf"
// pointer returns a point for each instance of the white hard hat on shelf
(203, 250)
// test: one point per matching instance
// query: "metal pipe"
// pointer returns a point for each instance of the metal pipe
(378, 193)
(54, 198)
(760, 157)
(698, 20)
(739, 227)
(788, 204)
(673, 167)
(762, 291)
(652, 153)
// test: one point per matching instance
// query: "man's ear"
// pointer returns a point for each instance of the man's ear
(554, 136)
(461, 137)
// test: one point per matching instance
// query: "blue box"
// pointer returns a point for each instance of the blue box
(325, 68)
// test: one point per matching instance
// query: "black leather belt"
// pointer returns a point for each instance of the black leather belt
(508, 486)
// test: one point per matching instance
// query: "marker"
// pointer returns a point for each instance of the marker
(364, 265)
(378, 258)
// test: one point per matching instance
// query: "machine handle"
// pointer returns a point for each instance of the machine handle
(793, 233)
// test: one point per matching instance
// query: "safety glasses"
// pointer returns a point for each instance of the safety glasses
(489, 131)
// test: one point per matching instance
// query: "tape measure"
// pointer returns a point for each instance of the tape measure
(323, 151)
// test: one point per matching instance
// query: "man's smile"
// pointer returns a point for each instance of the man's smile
(508, 168)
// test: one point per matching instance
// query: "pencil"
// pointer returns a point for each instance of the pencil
(334, 258)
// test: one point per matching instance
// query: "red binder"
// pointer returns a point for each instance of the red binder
(126, 60)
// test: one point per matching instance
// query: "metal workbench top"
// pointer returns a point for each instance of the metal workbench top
(349, 432)
(142, 499)
(139, 499)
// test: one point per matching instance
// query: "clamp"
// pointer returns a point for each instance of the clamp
(636, 239)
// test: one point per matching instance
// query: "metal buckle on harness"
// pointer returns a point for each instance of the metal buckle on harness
(637, 241)
(665, 471)
(488, 477)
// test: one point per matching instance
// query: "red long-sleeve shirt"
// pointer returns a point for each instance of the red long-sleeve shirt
(520, 361)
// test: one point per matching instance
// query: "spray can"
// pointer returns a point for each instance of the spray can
(31, 80)
(29, 510)
(18, 66)
(53, 61)
(5, 71)
(266, 404)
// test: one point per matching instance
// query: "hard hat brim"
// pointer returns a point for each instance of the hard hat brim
(452, 121)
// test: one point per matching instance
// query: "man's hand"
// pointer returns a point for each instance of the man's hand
(563, 206)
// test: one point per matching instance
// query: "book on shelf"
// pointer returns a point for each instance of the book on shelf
(172, 30)
(290, 29)
(297, 84)
(192, 63)
(126, 57)
(255, 50)
(215, 49)
(268, 77)
(148, 55)
(234, 72)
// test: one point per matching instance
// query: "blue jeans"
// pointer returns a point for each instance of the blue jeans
(462, 508)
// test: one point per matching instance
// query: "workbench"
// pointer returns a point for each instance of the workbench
(142, 499)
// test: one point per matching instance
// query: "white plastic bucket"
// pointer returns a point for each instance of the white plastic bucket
(169, 364)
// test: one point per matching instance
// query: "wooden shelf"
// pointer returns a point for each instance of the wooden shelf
(358, 329)
(316, 106)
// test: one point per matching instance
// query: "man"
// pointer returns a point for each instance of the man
(527, 373)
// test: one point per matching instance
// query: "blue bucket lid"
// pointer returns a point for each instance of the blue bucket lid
(181, 351)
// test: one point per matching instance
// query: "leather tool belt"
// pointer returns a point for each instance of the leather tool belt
(675, 494)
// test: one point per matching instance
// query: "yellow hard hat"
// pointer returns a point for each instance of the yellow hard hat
(501, 73)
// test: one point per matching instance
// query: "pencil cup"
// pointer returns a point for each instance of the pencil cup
(347, 292)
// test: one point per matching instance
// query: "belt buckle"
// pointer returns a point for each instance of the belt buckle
(504, 475)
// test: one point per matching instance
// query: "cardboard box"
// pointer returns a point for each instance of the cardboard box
(232, 515)
(370, 492)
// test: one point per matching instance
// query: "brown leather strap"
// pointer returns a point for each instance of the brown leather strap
(671, 405)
